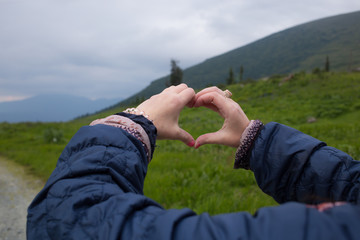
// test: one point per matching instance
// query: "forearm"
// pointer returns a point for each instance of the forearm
(292, 166)
(101, 168)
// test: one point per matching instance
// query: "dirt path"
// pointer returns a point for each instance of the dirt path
(17, 190)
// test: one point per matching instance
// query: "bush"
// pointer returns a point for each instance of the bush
(52, 135)
(331, 107)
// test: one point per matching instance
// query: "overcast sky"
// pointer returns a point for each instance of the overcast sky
(115, 48)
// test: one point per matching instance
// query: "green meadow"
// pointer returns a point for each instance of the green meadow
(324, 105)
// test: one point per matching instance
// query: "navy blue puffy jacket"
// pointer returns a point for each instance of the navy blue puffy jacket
(96, 192)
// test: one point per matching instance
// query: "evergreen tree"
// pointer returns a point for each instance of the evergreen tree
(230, 80)
(241, 73)
(176, 73)
(327, 64)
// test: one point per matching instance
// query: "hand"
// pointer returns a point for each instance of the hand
(235, 120)
(164, 110)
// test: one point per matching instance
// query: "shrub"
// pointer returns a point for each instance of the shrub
(52, 135)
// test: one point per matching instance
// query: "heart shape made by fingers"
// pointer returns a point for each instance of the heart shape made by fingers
(235, 120)
(164, 110)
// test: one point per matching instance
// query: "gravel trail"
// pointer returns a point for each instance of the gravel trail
(17, 190)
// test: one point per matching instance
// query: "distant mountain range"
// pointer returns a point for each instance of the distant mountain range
(51, 108)
(300, 48)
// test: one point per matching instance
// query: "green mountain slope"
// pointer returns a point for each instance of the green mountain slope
(301, 48)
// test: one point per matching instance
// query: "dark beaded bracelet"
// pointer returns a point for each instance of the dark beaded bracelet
(242, 156)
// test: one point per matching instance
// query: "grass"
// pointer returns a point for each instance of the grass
(203, 179)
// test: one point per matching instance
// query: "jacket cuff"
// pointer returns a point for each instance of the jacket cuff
(242, 156)
(135, 128)
(147, 125)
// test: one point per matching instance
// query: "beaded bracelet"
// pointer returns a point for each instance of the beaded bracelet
(137, 112)
(242, 156)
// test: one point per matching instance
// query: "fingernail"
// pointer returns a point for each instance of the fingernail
(197, 146)
(191, 144)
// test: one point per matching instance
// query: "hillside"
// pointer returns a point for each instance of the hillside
(300, 48)
(324, 105)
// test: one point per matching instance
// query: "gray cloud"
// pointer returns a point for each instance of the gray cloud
(115, 48)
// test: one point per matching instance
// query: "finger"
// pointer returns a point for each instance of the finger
(218, 103)
(191, 103)
(215, 98)
(211, 107)
(206, 101)
(209, 138)
(209, 90)
(212, 98)
(179, 88)
(186, 137)
(168, 89)
(187, 95)
(207, 105)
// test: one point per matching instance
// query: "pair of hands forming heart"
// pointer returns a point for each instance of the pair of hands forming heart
(164, 109)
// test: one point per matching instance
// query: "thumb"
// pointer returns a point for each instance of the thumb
(186, 137)
(208, 138)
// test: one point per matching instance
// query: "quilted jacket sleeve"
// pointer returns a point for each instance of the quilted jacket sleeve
(95, 192)
(292, 166)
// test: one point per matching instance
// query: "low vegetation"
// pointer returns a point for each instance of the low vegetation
(324, 105)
